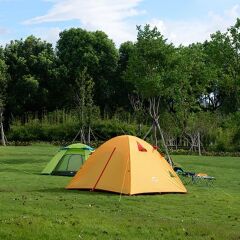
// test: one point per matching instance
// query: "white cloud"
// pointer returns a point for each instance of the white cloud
(3, 36)
(3, 31)
(116, 18)
(50, 35)
(234, 12)
(187, 32)
(106, 15)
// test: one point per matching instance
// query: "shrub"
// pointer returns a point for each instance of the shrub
(65, 132)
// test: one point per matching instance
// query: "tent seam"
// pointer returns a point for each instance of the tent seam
(130, 169)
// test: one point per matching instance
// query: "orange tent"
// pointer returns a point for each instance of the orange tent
(129, 165)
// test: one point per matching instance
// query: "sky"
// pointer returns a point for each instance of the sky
(180, 21)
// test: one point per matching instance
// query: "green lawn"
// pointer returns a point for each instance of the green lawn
(33, 206)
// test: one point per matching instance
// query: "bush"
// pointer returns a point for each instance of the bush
(218, 133)
(65, 132)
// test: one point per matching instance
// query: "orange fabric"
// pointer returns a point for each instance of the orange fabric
(104, 169)
(201, 174)
(129, 170)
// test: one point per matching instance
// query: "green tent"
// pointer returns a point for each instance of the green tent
(68, 160)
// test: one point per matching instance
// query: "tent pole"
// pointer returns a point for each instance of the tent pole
(103, 169)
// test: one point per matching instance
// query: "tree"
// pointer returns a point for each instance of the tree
(224, 58)
(30, 63)
(189, 82)
(120, 87)
(186, 93)
(234, 71)
(78, 49)
(149, 69)
(85, 106)
(3, 87)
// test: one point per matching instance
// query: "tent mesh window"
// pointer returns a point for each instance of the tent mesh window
(69, 162)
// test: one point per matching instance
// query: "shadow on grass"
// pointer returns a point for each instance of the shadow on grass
(80, 192)
(8, 170)
(14, 170)
(21, 161)
(100, 192)
(51, 190)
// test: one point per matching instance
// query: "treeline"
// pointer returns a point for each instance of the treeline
(187, 90)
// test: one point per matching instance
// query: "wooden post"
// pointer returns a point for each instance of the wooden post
(2, 130)
(199, 144)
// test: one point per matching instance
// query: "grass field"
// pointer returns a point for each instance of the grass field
(33, 206)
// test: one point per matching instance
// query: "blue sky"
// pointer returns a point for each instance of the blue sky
(181, 21)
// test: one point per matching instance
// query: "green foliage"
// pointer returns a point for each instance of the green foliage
(30, 63)
(218, 133)
(121, 87)
(84, 98)
(225, 81)
(62, 126)
(3, 83)
(150, 63)
(78, 49)
(223, 134)
(197, 86)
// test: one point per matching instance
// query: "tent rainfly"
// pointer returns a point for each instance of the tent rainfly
(128, 165)
(68, 160)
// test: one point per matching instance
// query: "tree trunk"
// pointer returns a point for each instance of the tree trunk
(140, 129)
(83, 140)
(199, 144)
(164, 143)
(2, 130)
(155, 135)
(76, 135)
(89, 135)
(149, 130)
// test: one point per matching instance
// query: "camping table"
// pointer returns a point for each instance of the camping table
(203, 179)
